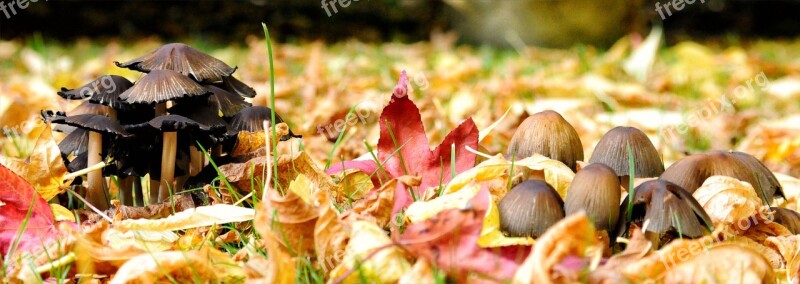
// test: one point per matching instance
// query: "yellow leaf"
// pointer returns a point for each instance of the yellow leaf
(354, 186)
(191, 218)
(302, 187)
(384, 265)
(61, 213)
(422, 210)
(248, 142)
(558, 175)
(44, 169)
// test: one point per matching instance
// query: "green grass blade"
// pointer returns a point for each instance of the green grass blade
(631, 176)
(339, 139)
(272, 105)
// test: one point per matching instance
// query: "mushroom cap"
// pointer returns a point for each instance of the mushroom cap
(160, 86)
(612, 151)
(668, 207)
(228, 104)
(547, 133)
(765, 178)
(77, 142)
(222, 101)
(251, 119)
(175, 123)
(595, 189)
(234, 86)
(104, 90)
(183, 59)
(94, 122)
(529, 209)
(690, 172)
(788, 218)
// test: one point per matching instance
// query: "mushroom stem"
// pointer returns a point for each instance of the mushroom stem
(196, 157)
(153, 189)
(95, 191)
(126, 191)
(168, 152)
(161, 109)
(137, 191)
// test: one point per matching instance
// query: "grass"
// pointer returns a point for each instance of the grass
(339, 138)
(274, 139)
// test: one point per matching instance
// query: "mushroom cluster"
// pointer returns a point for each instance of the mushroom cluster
(663, 207)
(155, 127)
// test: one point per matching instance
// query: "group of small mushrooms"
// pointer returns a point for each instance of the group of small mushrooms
(185, 101)
(665, 201)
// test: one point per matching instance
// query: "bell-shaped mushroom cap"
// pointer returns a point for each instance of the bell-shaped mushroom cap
(204, 114)
(595, 190)
(160, 86)
(788, 218)
(667, 207)
(234, 86)
(104, 90)
(690, 172)
(548, 134)
(181, 58)
(765, 178)
(612, 151)
(94, 122)
(77, 142)
(529, 209)
(251, 119)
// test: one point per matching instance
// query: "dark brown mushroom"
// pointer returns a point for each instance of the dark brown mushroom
(160, 86)
(529, 209)
(612, 151)
(788, 218)
(104, 90)
(595, 190)
(669, 211)
(97, 125)
(181, 58)
(234, 86)
(548, 134)
(205, 113)
(228, 104)
(170, 125)
(765, 178)
(692, 171)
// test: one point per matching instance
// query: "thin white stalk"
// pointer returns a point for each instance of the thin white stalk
(269, 160)
(98, 211)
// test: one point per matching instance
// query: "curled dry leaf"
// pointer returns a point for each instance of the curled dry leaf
(44, 169)
(248, 142)
(330, 234)
(290, 218)
(204, 265)
(791, 190)
(727, 200)
(678, 251)
(789, 249)
(724, 263)
(449, 240)
(558, 175)
(353, 185)
(191, 218)
(242, 174)
(571, 237)
(495, 168)
(370, 255)
(638, 247)
(377, 205)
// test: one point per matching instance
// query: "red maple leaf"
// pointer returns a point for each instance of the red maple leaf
(401, 128)
(17, 197)
(449, 240)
